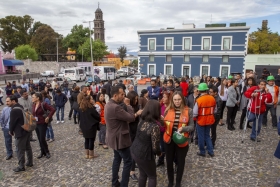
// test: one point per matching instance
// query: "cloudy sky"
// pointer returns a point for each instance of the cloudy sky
(124, 17)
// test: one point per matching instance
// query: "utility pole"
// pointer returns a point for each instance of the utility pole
(83, 54)
(90, 38)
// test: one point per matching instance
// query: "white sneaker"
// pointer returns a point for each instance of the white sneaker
(62, 121)
(57, 122)
(51, 140)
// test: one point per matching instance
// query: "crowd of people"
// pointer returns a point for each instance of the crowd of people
(146, 130)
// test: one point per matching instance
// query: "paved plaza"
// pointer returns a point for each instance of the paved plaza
(235, 164)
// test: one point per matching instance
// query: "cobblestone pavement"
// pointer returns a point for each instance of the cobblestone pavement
(235, 164)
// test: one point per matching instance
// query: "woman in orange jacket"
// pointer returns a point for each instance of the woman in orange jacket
(100, 105)
(178, 118)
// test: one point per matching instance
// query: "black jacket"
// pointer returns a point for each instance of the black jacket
(74, 97)
(89, 120)
(277, 80)
(108, 89)
(60, 100)
(16, 121)
(219, 108)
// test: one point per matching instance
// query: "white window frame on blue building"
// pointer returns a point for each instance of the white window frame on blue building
(152, 59)
(203, 60)
(201, 65)
(223, 60)
(183, 44)
(190, 69)
(149, 44)
(165, 43)
(188, 59)
(165, 68)
(230, 43)
(220, 71)
(148, 69)
(202, 43)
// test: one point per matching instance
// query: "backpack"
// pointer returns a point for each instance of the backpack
(30, 123)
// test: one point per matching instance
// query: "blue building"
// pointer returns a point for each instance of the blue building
(214, 51)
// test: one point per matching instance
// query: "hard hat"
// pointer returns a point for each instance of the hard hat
(270, 78)
(202, 87)
(179, 138)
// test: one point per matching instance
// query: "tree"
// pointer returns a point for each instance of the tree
(78, 37)
(44, 40)
(26, 52)
(135, 63)
(99, 50)
(16, 30)
(122, 52)
(264, 42)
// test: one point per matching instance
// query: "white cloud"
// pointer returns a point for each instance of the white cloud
(124, 17)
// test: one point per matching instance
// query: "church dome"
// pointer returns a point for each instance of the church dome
(98, 10)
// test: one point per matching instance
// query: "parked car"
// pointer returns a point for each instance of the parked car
(122, 73)
(61, 79)
(96, 79)
(48, 73)
(60, 74)
(138, 76)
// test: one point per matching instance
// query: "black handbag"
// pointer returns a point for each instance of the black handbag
(46, 113)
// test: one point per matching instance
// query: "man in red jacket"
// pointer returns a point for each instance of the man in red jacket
(259, 96)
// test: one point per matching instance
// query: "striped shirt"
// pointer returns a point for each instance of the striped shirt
(177, 118)
(5, 117)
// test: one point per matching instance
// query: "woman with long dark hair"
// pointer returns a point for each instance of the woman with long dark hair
(223, 93)
(133, 97)
(9, 89)
(244, 100)
(89, 120)
(217, 81)
(144, 98)
(43, 114)
(146, 144)
(232, 103)
(178, 119)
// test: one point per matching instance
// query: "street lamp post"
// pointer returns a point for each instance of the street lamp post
(83, 54)
(90, 38)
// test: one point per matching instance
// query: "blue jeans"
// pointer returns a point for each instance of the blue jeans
(119, 155)
(62, 113)
(252, 118)
(66, 91)
(49, 133)
(203, 133)
(135, 89)
(8, 142)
